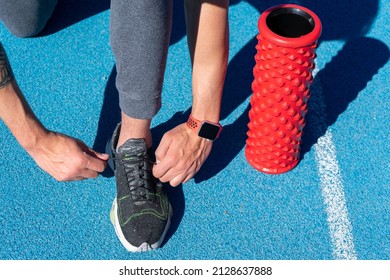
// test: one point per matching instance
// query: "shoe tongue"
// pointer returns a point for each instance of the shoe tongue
(136, 147)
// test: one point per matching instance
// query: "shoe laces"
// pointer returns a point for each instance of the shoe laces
(139, 176)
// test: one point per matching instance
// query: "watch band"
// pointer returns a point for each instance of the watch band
(193, 123)
(200, 127)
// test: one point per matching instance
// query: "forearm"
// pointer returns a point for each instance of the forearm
(208, 40)
(14, 109)
(63, 157)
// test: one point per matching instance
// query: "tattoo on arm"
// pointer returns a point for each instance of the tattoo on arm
(6, 74)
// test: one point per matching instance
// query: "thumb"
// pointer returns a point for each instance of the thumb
(99, 155)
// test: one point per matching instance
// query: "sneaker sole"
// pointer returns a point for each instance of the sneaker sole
(144, 247)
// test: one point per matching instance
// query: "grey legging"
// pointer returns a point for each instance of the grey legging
(140, 32)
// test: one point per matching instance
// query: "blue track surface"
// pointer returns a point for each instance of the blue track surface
(334, 205)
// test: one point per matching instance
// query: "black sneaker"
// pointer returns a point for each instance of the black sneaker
(141, 212)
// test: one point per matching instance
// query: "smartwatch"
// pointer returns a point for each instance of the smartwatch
(205, 129)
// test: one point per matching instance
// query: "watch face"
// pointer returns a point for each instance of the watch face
(209, 131)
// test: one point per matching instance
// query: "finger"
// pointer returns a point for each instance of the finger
(102, 156)
(163, 148)
(177, 180)
(168, 176)
(161, 168)
(176, 174)
(191, 172)
(88, 174)
(95, 164)
(189, 177)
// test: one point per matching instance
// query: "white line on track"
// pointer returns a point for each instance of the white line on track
(332, 188)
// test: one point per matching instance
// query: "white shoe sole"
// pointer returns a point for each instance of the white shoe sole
(144, 247)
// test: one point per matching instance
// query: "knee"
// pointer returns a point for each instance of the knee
(28, 19)
(25, 29)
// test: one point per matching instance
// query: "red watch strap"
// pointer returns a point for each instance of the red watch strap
(196, 125)
(193, 123)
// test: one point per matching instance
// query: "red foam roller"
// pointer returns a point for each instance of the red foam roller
(287, 41)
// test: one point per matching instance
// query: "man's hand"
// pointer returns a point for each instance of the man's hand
(66, 158)
(180, 155)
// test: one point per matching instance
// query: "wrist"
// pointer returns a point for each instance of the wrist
(34, 140)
